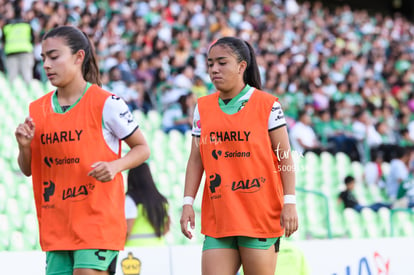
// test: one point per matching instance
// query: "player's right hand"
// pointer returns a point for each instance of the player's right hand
(25, 132)
(187, 216)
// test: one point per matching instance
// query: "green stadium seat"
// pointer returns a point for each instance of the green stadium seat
(25, 197)
(164, 184)
(20, 89)
(337, 220)
(14, 213)
(353, 224)
(175, 141)
(343, 164)
(384, 221)
(37, 89)
(154, 118)
(375, 193)
(358, 171)
(316, 217)
(9, 180)
(5, 89)
(371, 221)
(402, 225)
(361, 193)
(17, 242)
(5, 231)
(327, 162)
(30, 230)
(3, 198)
(5, 227)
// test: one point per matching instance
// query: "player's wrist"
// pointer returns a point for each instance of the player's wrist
(188, 200)
(289, 199)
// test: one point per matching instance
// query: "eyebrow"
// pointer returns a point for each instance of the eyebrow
(48, 52)
(218, 58)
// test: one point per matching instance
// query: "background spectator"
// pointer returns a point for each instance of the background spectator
(303, 137)
(399, 172)
(179, 116)
(18, 40)
(373, 172)
(350, 201)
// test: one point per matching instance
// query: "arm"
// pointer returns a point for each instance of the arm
(194, 173)
(106, 171)
(280, 142)
(24, 135)
(130, 223)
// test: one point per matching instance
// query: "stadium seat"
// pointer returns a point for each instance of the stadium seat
(384, 221)
(154, 118)
(337, 220)
(5, 231)
(353, 224)
(20, 90)
(358, 171)
(165, 183)
(37, 89)
(18, 243)
(316, 217)
(402, 225)
(30, 230)
(9, 181)
(361, 193)
(343, 164)
(328, 162)
(375, 193)
(371, 221)
(14, 213)
(25, 197)
(3, 198)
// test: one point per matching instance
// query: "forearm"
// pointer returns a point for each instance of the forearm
(193, 177)
(287, 173)
(24, 160)
(136, 156)
(281, 147)
(130, 224)
(194, 171)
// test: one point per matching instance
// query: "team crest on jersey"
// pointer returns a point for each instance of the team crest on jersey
(242, 105)
(197, 124)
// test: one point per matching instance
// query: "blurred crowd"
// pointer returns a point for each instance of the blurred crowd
(344, 77)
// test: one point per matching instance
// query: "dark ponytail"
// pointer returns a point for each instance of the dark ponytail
(78, 40)
(90, 68)
(244, 52)
(252, 74)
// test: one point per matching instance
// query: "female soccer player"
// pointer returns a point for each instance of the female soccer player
(71, 146)
(241, 143)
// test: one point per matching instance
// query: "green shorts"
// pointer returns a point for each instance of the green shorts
(65, 261)
(235, 241)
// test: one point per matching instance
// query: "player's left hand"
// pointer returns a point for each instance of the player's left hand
(102, 171)
(289, 219)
